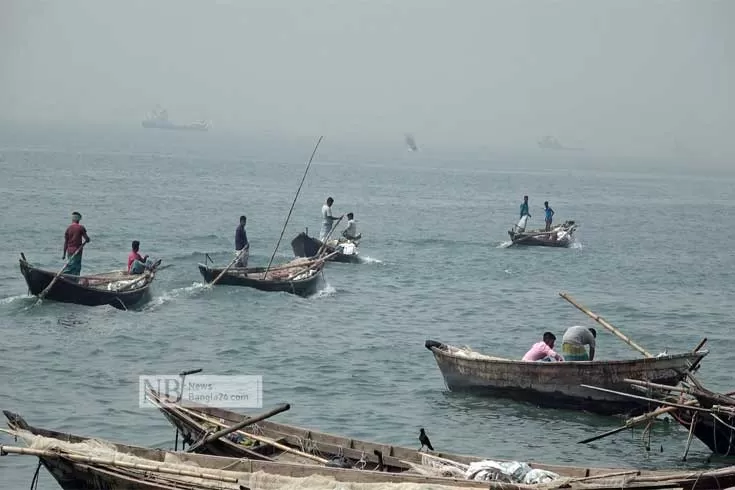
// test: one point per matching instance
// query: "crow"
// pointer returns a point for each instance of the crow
(424, 440)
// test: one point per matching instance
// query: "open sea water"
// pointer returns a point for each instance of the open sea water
(653, 256)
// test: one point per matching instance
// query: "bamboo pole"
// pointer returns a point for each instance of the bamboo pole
(248, 421)
(308, 166)
(652, 400)
(252, 436)
(158, 468)
(605, 324)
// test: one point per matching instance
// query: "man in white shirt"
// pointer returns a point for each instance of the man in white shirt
(327, 219)
(350, 232)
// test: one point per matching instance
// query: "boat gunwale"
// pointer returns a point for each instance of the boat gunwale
(439, 352)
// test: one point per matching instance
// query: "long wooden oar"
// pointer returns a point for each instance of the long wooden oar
(224, 271)
(326, 238)
(308, 165)
(56, 278)
(605, 324)
(248, 421)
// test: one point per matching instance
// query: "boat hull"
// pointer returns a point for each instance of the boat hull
(236, 277)
(557, 384)
(559, 236)
(67, 290)
(305, 246)
(99, 476)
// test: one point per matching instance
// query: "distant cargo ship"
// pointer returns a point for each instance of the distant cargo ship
(158, 119)
(551, 143)
(411, 143)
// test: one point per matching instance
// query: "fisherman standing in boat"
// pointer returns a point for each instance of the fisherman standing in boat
(73, 245)
(544, 350)
(549, 213)
(350, 232)
(242, 246)
(524, 207)
(327, 219)
(573, 342)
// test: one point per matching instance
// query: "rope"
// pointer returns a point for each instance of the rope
(292, 205)
(34, 481)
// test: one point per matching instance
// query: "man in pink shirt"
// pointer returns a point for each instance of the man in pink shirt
(542, 350)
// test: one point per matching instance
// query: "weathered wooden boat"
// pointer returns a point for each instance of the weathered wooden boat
(115, 288)
(557, 384)
(561, 235)
(84, 463)
(341, 250)
(300, 277)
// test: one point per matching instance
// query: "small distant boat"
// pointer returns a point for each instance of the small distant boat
(116, 288)
(341, 250)
(158, 119)
(551, 143)
(557, 384)
(299, 277)
(411, 143)
(558, 236)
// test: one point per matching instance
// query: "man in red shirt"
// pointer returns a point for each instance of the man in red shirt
(137, 264)
(73, 244)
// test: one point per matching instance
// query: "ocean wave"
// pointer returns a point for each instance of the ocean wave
(370, 260)
(174, 294)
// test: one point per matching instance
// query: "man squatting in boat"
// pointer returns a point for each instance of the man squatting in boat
(572, 346)
(350, 232)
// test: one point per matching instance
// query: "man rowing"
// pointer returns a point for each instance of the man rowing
(327, 219)
(574, 341)
(242, 246)
(75, 237)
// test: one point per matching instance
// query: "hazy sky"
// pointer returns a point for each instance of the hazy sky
(599, 74)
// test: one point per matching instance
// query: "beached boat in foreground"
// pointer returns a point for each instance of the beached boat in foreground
(116, 288)
(78, 463)
(557, 384)
(561, 235)
(300, 277)
(341, 250)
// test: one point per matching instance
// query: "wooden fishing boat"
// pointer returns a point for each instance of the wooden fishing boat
(561, 235)
(84, 463)
(341, 250)
(300, 277)
(557, 384)
(194, 421)
(115, 288)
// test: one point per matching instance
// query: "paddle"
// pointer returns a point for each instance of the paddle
(248, 421)
(308, 165)
(224, 271)
(53, 281)
(326, 238)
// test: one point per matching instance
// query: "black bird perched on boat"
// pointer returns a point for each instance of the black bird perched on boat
(424, 440)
